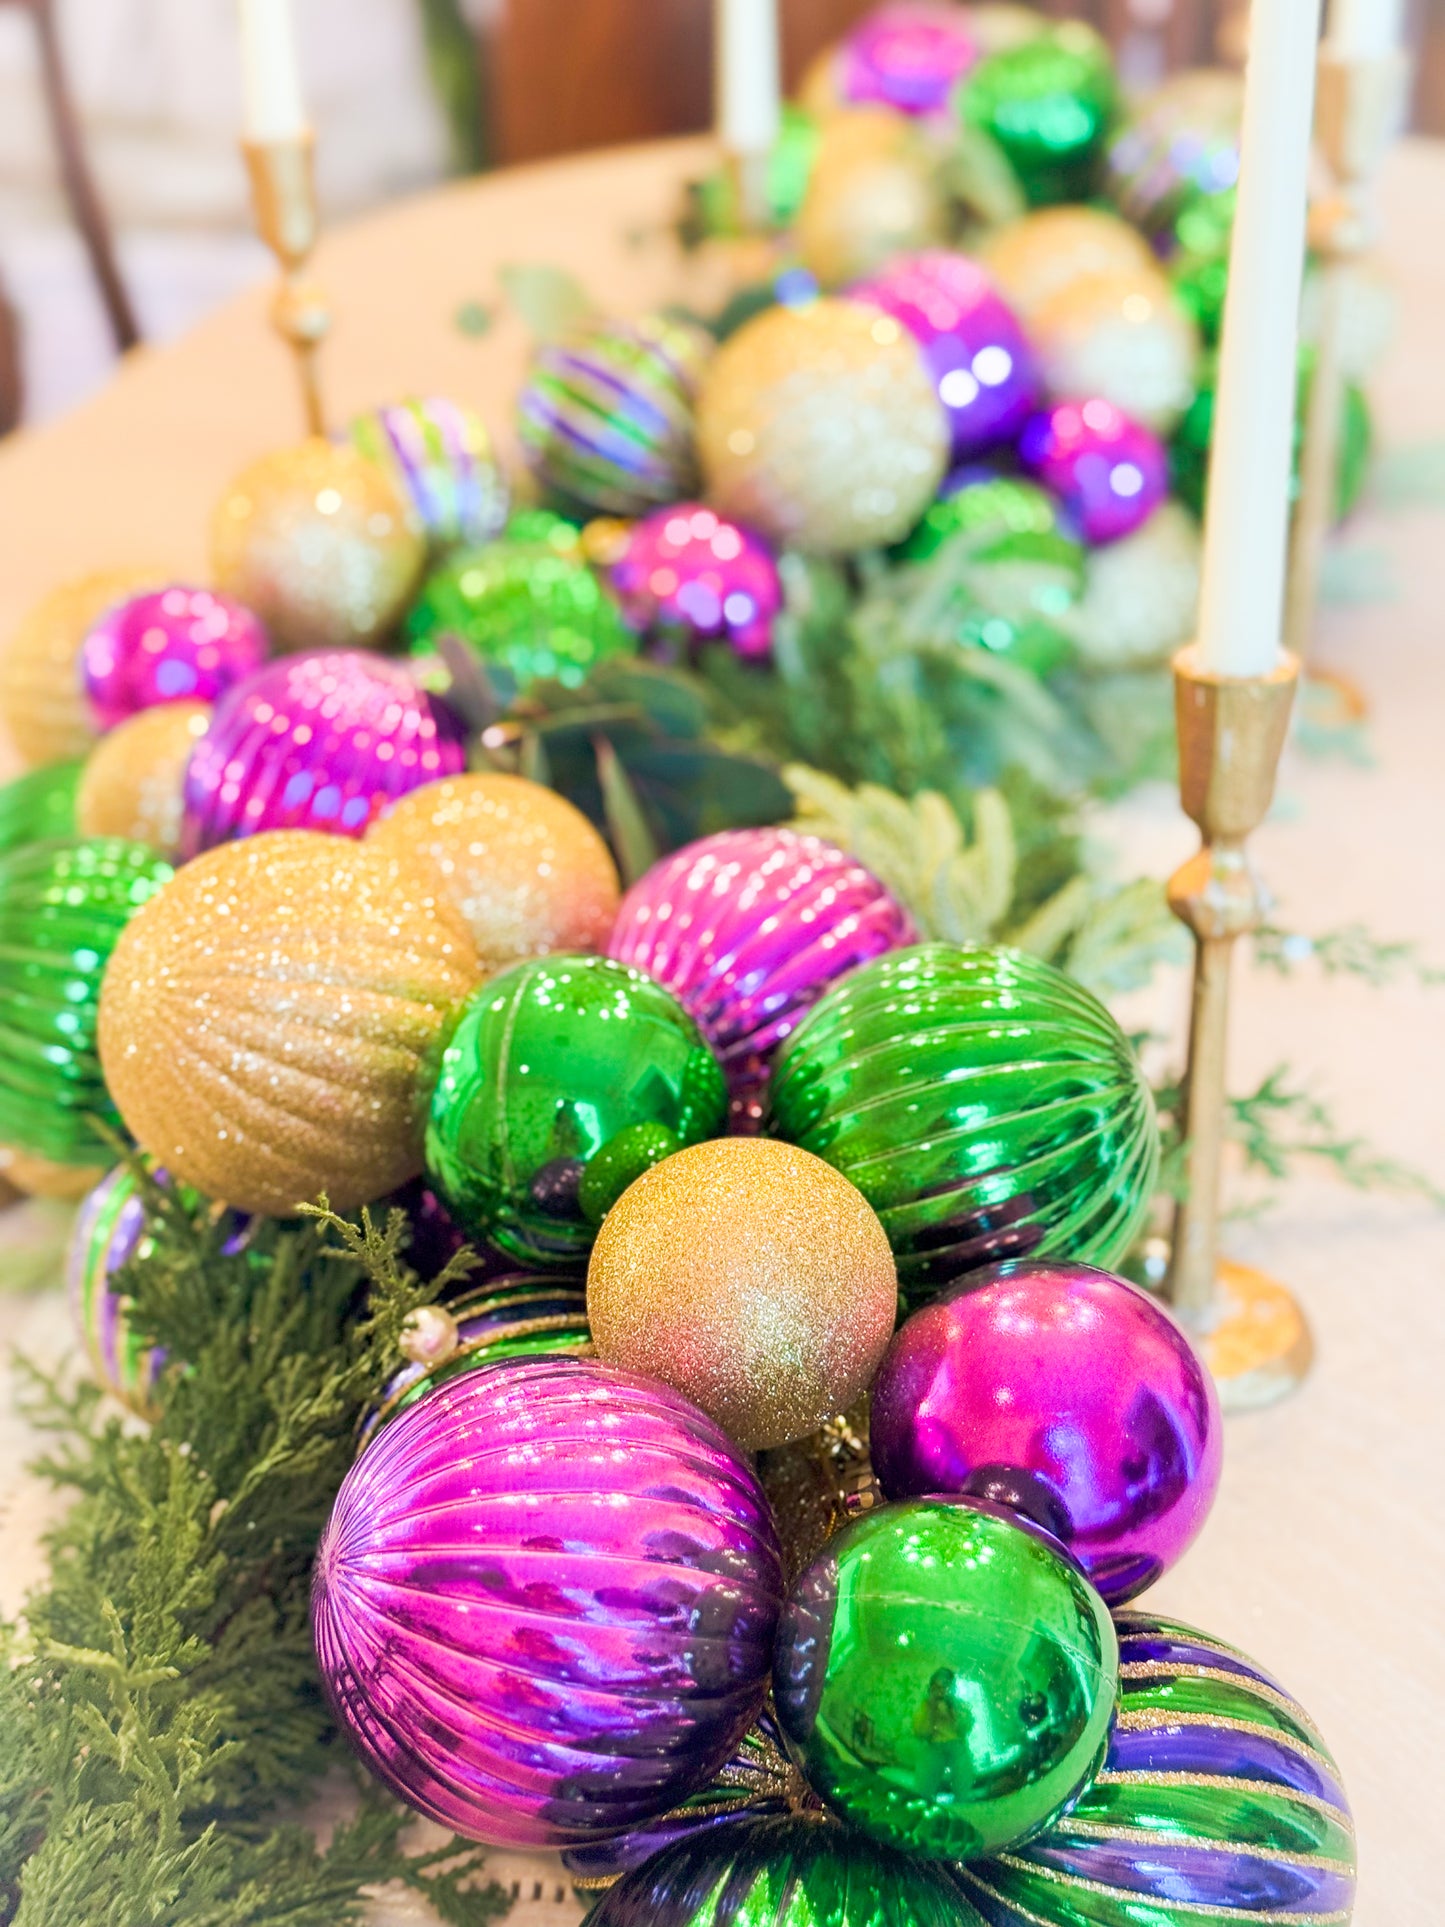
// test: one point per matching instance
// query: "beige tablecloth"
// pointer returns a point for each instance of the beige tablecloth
(1325, 1556)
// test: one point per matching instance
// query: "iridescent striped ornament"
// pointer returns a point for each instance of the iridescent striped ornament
(109, 1230)
(983, 1102)
(1177, 146)
(440, 457)
(1218, 1805)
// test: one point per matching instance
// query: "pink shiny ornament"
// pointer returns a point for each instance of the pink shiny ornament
(1109, 472)
(686, 568)
(909, 56)
(316, 742)
(747, 929)
(176, 645)
(1067, 1393)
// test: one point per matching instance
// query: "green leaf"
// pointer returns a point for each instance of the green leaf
(550, 301)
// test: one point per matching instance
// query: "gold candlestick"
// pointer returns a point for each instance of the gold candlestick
(283, 193)
(1231, 731)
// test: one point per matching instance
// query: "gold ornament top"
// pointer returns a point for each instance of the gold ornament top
(42, 701)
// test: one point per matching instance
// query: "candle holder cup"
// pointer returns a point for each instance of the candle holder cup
(283, 194)
(1231, 731)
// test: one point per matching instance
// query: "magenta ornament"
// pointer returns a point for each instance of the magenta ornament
(747, 929)
(545, 1602)
(316, 742)
(175, 645)
(973, 343)
(908, 56)
(1066, 1393)
(687, 570)
(1108, 471)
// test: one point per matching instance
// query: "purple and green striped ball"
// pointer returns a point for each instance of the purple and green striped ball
(441, 458)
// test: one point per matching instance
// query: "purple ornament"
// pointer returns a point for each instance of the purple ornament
(972, 342)
(176, 645)
(1067, 1393)
(1109, 471)
(316, 742)
(909, 56)
(545, 1602)
(747, 929)
(687, 568)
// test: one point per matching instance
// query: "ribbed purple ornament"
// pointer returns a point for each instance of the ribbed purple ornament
(175, 645)
(1108, 471)
(909, 56)
(747, 929)
(545, 1602)
(687, 569)
(316, 742)
(973, 343)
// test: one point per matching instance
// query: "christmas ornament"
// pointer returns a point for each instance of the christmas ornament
(972, 343)
(545, 1602)
(1109, 471)
(109, 1230)
(269, 1020)
(984, 1103)
(1122, 336)
(319, 742)
(789, 1870)
(685, 572)
(821, 427)
(1178, 145)
(38, 806)
(320, 544)
(1141, 593)
(1036, 258)
(945, 1677)
(990, 507)
(439, 457)
(605, 416)
(133, 782)
(170, 645)
(908, 56)
(753, 1278)
(551, 1062)
(1217, 1802)
(42, 703)
(38, 1177)
(873, 192)
(1048, 103)
(1079, 1382)
(747, 929)
(63, 908)
(527, 871)
(816, 1484)
(999, 24)
(528, 606)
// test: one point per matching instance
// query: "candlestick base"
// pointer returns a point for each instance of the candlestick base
(1254, 1339)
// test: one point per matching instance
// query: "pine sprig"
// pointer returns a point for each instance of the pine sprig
(1347, 952)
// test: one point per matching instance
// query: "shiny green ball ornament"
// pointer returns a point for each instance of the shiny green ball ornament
(63, 906)
(791, 1870)
(945, 1677)
(990, 510)
(983, 1102)
(1048, 103)
(39, 806)
(553, 1065)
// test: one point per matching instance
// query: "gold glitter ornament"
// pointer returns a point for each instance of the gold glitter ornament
(42, 1178)
(873, 192)
(42, 700)
(1125, 337)
(318, 541)
(1036, 257)
(527, 871)
(269, 1022)
(753, 1278)
(821, 427)
(1141, 593)
(131, 783)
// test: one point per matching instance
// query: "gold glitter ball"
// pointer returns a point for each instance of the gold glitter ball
(526, 870)
(752, 1277)
(821, 427)
(873, 192)
(319, 543)
(1141, 593)
(132, 783)
(1038, 256)
(42, 700)
(1123, 336)
(270, 1020)
(42, 1178)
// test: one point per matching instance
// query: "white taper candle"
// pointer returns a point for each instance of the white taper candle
(749, 92)
(273, 106)
(1365, 29)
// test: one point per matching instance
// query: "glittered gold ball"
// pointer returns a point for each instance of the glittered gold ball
(821, 427)
(753, 1278)
(317, 541)
(41, 1177)
(131, 785)
(1038, 256)
(1141, 593)
(873, 192)
(42, 700)
(270, 1021)
(1125, 337)
(527, 871)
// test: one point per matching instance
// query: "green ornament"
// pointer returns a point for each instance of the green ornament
(992, 508)
(794, 1870)
(38, 806)
(1048, 103)
(983, 1102)
(619, 1163)
(550, 1064)
(945, 1677)
(789, 169)
(63, 906)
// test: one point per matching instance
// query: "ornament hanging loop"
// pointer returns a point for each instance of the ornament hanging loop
(283, 194)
